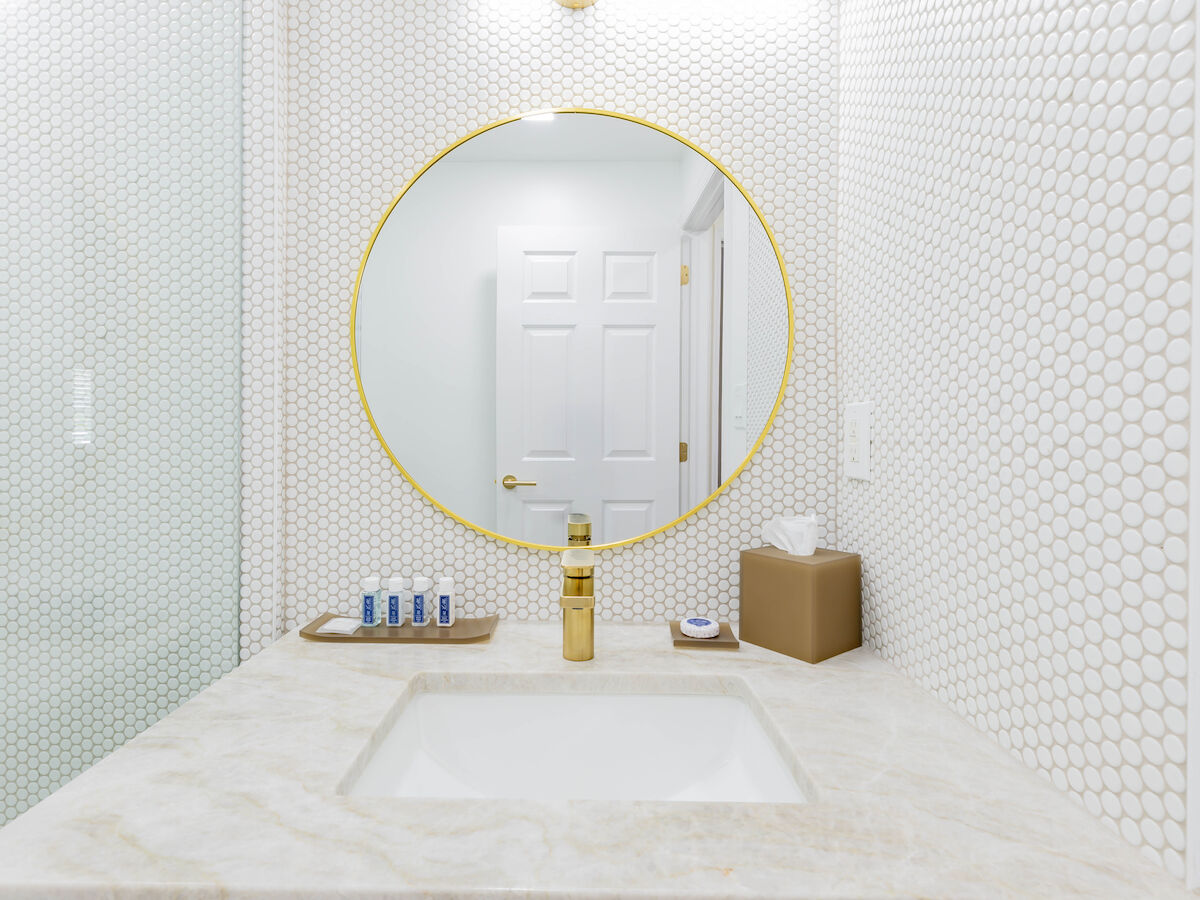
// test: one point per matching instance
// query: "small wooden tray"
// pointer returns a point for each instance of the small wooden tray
(463, 631)
(723, 641)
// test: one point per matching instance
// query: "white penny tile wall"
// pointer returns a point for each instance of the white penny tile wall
(1015, 208)
(766, 326)
(375, 89)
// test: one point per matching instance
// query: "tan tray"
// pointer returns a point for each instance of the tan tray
(463, 631)
(723, 641)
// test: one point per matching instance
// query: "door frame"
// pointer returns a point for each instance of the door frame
(699, 346)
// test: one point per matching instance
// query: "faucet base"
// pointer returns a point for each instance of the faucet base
(579, 626)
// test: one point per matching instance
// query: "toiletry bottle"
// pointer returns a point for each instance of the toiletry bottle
(372, 606)
(422, 601)
(445, 602)
(394, 599)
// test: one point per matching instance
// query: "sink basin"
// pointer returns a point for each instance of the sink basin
(566, 738)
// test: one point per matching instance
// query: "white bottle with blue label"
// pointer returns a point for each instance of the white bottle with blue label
(372, 602)
(396, 597)
(445, 602)
(422, 602)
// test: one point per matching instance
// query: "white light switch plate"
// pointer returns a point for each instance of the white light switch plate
(857, 440)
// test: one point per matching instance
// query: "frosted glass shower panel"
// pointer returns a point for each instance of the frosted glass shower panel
(120, 323)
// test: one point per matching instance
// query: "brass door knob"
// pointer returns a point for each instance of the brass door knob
(510, 481)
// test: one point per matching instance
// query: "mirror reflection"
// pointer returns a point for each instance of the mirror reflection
(571, 313)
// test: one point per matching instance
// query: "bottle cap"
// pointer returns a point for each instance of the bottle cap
(405, 582)
(395, 583)
(370, 584)
(445, 585)
(421, 584)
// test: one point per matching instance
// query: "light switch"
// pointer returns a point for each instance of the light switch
(857, 455)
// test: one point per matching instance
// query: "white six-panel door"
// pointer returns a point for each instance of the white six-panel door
(587, 380)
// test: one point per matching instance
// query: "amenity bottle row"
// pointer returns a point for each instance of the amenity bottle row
(401, 598)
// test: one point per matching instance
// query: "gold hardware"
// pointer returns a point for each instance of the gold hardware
(578, 602)
(683, 451)
(578, 573)
(579, 530)
(510, 481)
(579, 585)
(579, 634)
(576, 111)
(685, 275)
(577, 560)
(576, 4)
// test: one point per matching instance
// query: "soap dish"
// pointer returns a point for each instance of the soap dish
(723, 641)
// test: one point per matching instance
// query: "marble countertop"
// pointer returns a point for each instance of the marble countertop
(234, 795)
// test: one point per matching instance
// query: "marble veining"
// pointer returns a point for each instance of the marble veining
(235, 794)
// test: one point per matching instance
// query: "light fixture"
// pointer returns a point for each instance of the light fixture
(576, 4)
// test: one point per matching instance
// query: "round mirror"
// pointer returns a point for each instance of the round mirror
(572, 312)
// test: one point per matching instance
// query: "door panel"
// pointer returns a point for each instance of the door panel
(630, 277)
(550, 276)
(544, 521)
(545, 409)
(627, 401)
(628, 516)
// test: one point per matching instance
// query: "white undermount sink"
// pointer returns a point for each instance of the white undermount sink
(564, 737)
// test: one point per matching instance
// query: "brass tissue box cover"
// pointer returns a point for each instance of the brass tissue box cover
(809, 607)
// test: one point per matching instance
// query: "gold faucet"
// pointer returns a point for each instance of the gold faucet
(579, 530)
(578, 604)
(578, 599)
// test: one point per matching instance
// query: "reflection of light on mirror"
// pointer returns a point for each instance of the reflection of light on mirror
(82, 407)
(539, 117)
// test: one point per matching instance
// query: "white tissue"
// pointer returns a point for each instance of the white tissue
(796, 535)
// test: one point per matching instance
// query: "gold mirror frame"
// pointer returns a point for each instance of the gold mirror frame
(787, 289)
